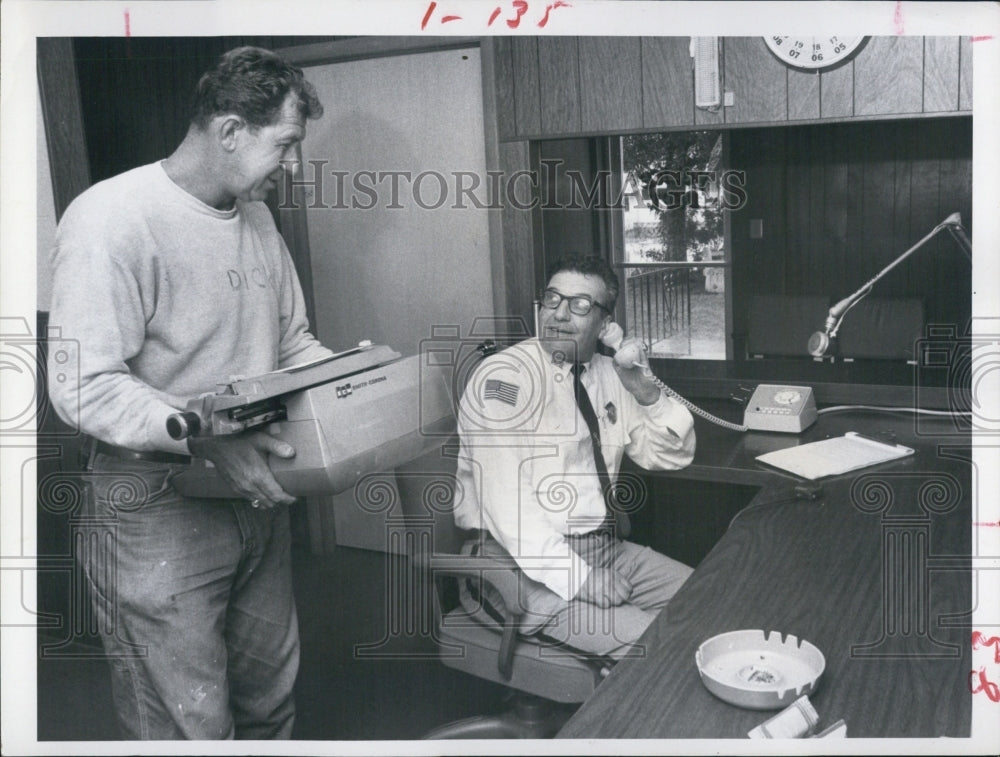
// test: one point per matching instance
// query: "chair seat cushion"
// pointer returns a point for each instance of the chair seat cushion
(539, 668)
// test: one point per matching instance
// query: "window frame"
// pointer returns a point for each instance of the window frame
(612, 148)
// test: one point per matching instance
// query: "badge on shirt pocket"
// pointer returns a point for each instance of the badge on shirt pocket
(612, 412)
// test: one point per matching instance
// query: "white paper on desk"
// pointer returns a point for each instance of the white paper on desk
(830, 457)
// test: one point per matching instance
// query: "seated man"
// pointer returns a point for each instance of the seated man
(536, 474)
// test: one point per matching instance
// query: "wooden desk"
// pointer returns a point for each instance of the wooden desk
(729, 456)
(875, 573)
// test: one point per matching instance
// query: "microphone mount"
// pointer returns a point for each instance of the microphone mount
(819, 342)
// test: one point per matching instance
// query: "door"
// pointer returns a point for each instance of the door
(397, 216)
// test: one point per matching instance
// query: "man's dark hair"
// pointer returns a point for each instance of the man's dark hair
(252, 83)
(591, 265)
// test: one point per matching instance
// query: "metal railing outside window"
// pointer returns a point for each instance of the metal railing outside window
(659, 303)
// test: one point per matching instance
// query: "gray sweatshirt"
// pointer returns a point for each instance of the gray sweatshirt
(157, 298)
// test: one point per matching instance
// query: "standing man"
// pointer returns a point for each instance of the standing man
(543, 428)
(171, 278)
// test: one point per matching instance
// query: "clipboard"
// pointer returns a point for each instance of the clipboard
(831, 457)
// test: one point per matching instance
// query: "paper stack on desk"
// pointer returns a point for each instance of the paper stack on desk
(830, 457)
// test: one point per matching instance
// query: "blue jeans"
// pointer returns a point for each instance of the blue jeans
(195, 606)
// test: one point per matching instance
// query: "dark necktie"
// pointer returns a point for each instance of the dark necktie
(622, 526)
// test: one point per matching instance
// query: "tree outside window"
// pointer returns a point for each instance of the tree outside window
(675, 243)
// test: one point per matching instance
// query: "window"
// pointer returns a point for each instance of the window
(672, 251)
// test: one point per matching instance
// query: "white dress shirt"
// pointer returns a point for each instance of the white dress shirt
(526, 469)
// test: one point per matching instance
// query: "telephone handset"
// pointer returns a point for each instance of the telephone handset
(771, 408)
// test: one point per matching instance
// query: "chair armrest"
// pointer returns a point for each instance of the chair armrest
(503, 575)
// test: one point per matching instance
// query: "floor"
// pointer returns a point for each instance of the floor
(342, 694)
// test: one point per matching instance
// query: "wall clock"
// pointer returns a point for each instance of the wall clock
(811, 53)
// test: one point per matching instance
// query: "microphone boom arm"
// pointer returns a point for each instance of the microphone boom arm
(836, 314)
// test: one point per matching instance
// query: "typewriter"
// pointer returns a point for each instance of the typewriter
(363, 410)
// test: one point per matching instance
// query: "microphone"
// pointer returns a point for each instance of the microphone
(819, 342)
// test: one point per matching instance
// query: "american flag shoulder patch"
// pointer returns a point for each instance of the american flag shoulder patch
(495, 389)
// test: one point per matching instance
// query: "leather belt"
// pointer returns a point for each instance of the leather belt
(124, 453)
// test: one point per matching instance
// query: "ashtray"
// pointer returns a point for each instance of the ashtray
(759, 671)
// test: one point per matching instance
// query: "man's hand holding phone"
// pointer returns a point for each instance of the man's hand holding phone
(631, 365)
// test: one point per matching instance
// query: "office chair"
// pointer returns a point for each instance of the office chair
(545, 680)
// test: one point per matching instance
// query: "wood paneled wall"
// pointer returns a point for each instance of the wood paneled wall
(570, 86)
(518, 242)
(841, 201)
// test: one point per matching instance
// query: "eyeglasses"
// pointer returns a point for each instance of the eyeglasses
(579, 304)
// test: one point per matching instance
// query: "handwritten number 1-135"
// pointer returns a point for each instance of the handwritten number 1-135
(517, 9)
